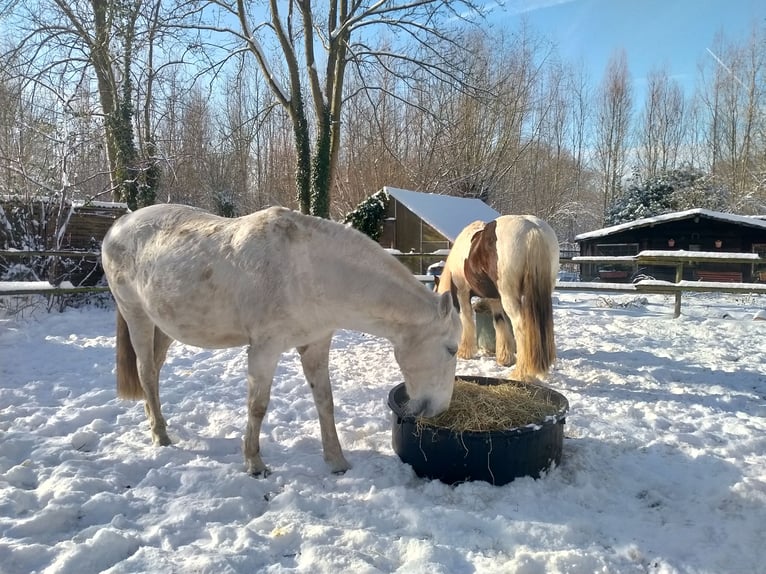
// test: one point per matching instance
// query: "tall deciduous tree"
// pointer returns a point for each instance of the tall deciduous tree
(734, 98)
(661, 125)
(613, 117)
(97, 41)
(304, 48)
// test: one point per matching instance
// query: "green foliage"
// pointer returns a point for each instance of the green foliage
(642, 198)
(675, 190)
(320, 172)
(368, 215)
(225, 203)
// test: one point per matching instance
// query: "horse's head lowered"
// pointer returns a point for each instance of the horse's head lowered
(427, 358)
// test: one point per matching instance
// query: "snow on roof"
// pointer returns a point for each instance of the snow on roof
(100, 204)
(76, 202)
(447, 214)
(748, 220)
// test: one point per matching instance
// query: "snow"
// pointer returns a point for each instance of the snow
(663, 468)
(33, 285)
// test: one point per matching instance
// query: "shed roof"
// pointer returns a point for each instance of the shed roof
(750, 221)
(447, 214)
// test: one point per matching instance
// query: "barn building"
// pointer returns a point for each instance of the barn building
(691, 230)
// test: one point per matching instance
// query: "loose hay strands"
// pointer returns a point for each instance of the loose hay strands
(482, 408)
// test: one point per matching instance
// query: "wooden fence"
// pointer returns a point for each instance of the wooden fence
(8, 288)
(676, 259)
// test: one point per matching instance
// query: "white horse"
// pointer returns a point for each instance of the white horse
(512, 262)
(272, 280)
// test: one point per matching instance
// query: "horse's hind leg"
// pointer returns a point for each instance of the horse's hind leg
(315, 360)
(161, 345)
(261, 364)
(505, 344)
(142, 336)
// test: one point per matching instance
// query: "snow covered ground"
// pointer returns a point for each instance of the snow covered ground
(664, 464)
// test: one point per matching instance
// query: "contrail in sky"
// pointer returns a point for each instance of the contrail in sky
(725, 67)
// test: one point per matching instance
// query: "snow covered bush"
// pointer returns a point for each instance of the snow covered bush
(368, 215)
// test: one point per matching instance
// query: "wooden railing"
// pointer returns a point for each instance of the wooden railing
(44, 287)
(676, 259)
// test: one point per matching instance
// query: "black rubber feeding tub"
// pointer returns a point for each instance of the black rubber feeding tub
(496, 457)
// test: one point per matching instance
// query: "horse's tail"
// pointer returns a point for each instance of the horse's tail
(128, 383)
(537, 348)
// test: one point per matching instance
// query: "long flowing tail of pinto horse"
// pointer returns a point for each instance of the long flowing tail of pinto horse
(128, 383)
(537, 349)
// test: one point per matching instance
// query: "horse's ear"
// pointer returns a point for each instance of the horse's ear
(445, 304)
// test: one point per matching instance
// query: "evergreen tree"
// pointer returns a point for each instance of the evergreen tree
(676, 190)
(368, 215)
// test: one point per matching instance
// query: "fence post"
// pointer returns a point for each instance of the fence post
(679, 278)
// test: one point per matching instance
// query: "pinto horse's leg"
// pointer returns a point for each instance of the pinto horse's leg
(142, 336)
(261, 364)
(315, 360)
(512, 307)
(505, 343)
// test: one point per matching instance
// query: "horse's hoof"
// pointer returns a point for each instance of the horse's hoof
(162, 441)
(339, 466)
(257, 468)
(469, 354)
(261, 473)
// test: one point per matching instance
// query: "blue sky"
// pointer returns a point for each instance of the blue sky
(654, 33)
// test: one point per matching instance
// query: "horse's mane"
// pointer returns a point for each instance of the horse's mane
(382, 271)
(366, 248)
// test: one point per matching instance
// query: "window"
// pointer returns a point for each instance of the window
(616, 249)
(759, 269)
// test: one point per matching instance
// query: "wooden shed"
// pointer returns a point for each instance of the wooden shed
(416, 222)
(426, 222)
(34, 224)
(691, 230)
(43, 224)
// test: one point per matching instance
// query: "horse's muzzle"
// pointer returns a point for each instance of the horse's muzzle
(423, 408)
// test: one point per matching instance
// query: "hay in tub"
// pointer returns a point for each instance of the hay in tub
(486, 408)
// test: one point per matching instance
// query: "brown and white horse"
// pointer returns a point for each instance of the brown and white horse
(272, 280)
(512, 262)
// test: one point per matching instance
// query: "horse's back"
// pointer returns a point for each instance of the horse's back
(193, 273)
(453, 272)
(276, 274)
(530, 235)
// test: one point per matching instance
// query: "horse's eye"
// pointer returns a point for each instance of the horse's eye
(452, 351)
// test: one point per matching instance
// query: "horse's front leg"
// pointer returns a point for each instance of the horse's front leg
(468, 346)
(261, 364)
(315, 360)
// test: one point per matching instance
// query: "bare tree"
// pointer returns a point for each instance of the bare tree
(613, 117)
(304, 49)
(661, 125)
(734, 97)
(98, 43)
